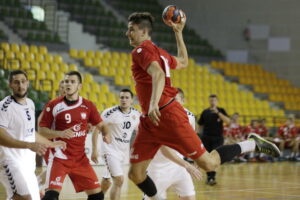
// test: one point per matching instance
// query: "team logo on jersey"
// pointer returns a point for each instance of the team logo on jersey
(76, 127)
(83, 115)
(57, 181)
(133, 117)
(48, 109)
(139, 50)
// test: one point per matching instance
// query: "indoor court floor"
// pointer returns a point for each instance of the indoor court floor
(246, 181)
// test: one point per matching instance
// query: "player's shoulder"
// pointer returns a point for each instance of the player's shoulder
(110, 111)
(134, 111)
(30, 102)
(5, 103)
(87, 102)
(189, 113)
(56, 101)
(147, 45)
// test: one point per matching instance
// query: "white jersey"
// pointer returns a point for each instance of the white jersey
(160, 161)
(121, 126)
(19, 122)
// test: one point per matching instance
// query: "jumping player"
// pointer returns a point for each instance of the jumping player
(66, 118)
(122, 120)
(162, 168)
(19, 141)
(164, 121)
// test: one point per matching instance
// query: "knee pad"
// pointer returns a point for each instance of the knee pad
(51, 195)
(97, 196)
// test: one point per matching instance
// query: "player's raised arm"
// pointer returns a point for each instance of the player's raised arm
(158, 84)
(182, 55)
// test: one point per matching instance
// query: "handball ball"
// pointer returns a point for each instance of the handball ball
(172, 13)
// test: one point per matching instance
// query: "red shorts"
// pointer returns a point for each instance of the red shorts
(81, 174)
(174, 130)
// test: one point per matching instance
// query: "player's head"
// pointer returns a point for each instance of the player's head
(72, 83)
(126, 98)
(140, 25)
(213, 100)
(254, 123)
(19, 83)
(180, 96)
(290, 120)
(235, 117)
(263, 122)
(61, 89)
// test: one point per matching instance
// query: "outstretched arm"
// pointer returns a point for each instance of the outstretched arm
(8, 141)
(170, 154)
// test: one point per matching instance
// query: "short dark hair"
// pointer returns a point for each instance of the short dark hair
(180, 91)
(213, 96)
(127, 90)
(76, 73)
(142, 19)
(16, 72)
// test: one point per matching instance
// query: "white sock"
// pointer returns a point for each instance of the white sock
(247, 146)
(292, 154)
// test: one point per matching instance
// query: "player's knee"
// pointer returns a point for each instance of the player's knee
(210, 165)
(97, 196)
(51, 195)
(135, 175)
(118, 181)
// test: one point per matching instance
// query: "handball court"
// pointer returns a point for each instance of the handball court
(246, 181)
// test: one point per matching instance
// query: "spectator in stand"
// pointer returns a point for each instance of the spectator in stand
(233, 133)
(288, 136)
(252, 128)
(264, 132)
(262, 129)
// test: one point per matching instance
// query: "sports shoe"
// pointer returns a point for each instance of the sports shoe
(211, 181)
(264, 146)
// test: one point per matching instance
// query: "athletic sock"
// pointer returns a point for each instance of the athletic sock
(148, 187)
(247, 146)
(228, 152)
(211, 174)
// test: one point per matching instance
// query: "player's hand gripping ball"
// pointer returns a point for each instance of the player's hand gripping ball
(172, 13)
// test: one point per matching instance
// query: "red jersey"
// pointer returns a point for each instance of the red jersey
(234, 130)
(142, 56)
(58, 115)
(262, 131)
(286, 131)
(249, 129)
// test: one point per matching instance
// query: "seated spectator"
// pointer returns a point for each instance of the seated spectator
(264, 132)
(288, 136)
(252, 128)
(233, 132)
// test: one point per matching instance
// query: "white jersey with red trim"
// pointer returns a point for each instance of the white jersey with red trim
(160, 161)
(57, 115)
(121, 126)
(19, 122)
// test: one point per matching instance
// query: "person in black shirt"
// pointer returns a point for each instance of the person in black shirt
(211, 121)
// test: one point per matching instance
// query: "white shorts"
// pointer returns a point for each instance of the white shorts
(19, 180)
(114, 166)
(176, 178)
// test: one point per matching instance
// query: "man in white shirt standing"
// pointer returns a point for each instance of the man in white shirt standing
(169, 170)
(122, 120)
(19, 141)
